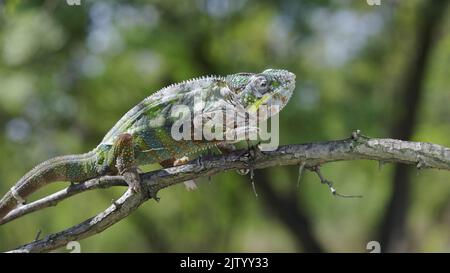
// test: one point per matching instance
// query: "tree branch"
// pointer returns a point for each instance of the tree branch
(420, 154)
(53, 199)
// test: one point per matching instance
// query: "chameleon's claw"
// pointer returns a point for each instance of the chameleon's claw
(255, 151)
(252, 152)
(133, 180)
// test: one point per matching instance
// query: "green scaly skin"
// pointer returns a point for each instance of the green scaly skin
(143, 135)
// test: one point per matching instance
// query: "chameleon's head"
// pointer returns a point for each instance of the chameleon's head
(272, 88)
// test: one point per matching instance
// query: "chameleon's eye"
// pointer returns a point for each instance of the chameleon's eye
(261, 84)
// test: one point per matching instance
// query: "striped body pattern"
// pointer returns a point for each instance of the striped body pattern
(150, 121)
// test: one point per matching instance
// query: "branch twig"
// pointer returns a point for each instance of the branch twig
(419, 154)
(323, 180)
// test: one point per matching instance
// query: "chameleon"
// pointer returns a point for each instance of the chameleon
(144, 134)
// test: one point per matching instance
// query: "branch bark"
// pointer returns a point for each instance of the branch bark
(420, 154)
(53, 199)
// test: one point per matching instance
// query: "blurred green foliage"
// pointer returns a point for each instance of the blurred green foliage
(68, 73)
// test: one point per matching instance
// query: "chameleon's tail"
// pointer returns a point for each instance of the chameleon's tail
(74, 168)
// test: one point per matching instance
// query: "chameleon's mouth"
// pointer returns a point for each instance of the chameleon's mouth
(274, 102)
(289, 87)
(282, 96)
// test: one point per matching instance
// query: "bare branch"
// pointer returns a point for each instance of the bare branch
(120, 209)
(55, 198)
(419, 154)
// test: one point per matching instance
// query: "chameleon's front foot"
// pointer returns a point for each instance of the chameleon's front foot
(251, 153)
(127, 167)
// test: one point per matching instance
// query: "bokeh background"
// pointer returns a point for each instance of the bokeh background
(68, 73)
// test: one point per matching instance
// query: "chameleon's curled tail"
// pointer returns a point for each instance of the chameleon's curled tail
(74, 168)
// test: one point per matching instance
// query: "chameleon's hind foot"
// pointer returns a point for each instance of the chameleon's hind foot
(133, 180)
(125, 161)
(254, 150)
(252, 153)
